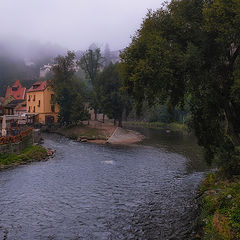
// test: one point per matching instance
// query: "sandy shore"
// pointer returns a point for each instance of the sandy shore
(101, 133)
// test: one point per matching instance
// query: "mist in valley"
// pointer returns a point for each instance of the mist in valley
(34, 33)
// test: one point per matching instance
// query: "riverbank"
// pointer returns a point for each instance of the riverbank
(220, 208)
(30, 154)
(100, 133)
(175, 127)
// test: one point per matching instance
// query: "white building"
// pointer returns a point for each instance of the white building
(44, 70)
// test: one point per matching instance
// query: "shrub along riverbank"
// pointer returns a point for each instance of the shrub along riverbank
(220, 207)
(159, 125)
(29, 154)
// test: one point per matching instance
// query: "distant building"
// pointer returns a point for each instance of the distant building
(45, 70)
(17, 91)
(40, 103)
(48, 68)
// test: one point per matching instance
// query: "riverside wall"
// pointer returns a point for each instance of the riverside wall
(16, 148)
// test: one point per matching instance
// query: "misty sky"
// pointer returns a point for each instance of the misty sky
(74, 24)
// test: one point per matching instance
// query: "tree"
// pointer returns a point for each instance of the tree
(78, 110)
(107, 55)
(190, 50)
(113, 100)
(67, 90)
(91, 62)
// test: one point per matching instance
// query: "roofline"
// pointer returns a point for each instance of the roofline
(37, 90)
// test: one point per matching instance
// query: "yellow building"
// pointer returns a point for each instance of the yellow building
(40, 103)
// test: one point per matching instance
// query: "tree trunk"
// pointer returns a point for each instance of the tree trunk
(232, 124)
(120, 122)
(95, 114)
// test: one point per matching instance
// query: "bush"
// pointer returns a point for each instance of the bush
(220, 212)
(32, 153)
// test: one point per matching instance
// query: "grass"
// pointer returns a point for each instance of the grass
(220, 212)
(160, 125)
(83, 132)
(30, 153)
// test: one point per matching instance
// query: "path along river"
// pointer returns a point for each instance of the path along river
(89, 191)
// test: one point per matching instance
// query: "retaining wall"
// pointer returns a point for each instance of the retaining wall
(16, 148)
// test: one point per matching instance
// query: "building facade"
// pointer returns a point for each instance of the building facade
(40, 103)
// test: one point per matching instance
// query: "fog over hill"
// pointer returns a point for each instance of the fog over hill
(22, 59)
(33, 33)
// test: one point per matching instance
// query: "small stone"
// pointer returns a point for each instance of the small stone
(229, 196)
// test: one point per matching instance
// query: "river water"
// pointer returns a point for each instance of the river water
(88, 191)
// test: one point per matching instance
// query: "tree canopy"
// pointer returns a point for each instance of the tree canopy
(68, 91)
(91, 61)
(113, 101)
(189, 49)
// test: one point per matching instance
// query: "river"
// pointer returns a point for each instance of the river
(90, 191)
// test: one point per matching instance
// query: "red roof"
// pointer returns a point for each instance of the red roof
(38, 86)
(17, 91)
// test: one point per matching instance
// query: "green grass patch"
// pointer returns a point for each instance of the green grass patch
(220, 207)
(83, 132)
(36, 153)
(178, 127)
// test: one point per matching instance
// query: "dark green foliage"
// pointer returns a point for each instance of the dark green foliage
(69, 92)
(78, 110)
(113, 100)
(189, 50)
(91, 62)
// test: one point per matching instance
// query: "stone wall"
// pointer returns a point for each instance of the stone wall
(16, 148)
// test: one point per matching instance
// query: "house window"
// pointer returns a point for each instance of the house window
(52, 108)
(29, 109)
(14, 89)
(38, 103)
(34, 109)
(29, 98)
(34, 97)
(52, 97)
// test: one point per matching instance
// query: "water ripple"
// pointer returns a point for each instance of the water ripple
(99, 192)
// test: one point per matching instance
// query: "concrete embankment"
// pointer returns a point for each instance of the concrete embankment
(124, 136)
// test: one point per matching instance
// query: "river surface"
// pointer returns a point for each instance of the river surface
(89, 191)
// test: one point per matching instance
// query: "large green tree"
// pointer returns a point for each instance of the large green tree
(68, 91)
(112, 98)
(91, 61)
(189, 49)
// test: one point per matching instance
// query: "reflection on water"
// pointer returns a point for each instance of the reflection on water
(177, 142)
(90, 191)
